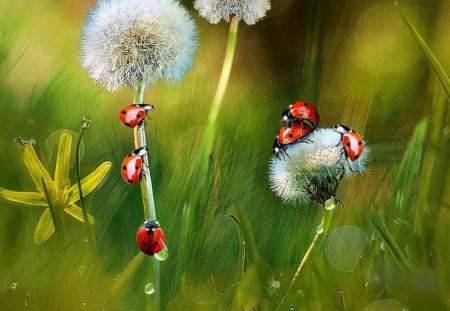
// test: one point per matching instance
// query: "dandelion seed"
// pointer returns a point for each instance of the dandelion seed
(248, 10)
(314, 170)
(127, 41)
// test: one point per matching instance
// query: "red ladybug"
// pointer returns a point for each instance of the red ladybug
(351, 140)
(303, 112)
(150, 237)
(288, 134)
(132, 166)
(134, 115)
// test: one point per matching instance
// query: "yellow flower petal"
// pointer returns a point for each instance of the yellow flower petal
(37, 170)
(44, 228)
(63, 160)
(28, 198)
(90, 182)
(76, 212)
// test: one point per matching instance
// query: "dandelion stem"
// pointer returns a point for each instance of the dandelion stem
(320, 231)
(199, 186)
(87, 226)
(140, 141)
(225, 74)
(148, 201)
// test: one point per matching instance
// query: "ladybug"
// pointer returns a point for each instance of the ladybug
(134, 115)
(288, 134)
(132, 166)
(303, 112)
(351, 140)
(150, 237)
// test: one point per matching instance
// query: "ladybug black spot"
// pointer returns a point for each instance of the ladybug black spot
(136, 167)
(127, 124)
(356, 156)
(155, 243)
(143, 242)
(360, 143)
(124, 167)
(123, 112)
(317, 115)
(306, 104)
(130, 181)
(139, 115)
(348, 144)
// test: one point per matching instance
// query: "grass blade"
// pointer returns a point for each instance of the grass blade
(433, 62)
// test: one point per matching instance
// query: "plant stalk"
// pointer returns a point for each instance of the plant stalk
(87, 226)
(148, 200)
(321, 230)
(199, 187)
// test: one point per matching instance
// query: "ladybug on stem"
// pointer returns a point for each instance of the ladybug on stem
(150, 237)
(303, 112)
(134, 115)
(288, 134)
(132, 166)
(351, 140)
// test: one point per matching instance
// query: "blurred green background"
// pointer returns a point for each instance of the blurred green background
(356, 60)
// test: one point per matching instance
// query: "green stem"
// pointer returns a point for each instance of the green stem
(199, 187)
(87, 226)
(148, 201)
(321, 230)
(140, 141)
(226, 70)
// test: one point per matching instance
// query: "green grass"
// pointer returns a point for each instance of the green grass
(369, 66)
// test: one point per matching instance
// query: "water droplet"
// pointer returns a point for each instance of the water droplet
(83, 305)
(13, 286)
(26, 303)
(382, 245)
(319, 229)
(149, 288)
(373, 237)
(330, 204)
(366, 284)
(162, 254)
(397, 221)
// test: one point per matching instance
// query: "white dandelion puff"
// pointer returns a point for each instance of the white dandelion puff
(250, 11)
(127, 41)
(313, 169)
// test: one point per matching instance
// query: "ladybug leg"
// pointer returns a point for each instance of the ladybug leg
(306, 140)
(143, 175)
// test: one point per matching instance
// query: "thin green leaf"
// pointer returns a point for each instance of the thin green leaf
(124, 278)
(432, 60)
(37, 170)
(23, 197)
(76, 212)
(237, 215)
(387, 237)
(44, 228)
(90, 182)
(63, 160)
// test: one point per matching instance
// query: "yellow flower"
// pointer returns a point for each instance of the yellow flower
(62, 194)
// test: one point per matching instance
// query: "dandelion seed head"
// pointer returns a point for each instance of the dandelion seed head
(313, 169)
(125, 41)
(250, 11)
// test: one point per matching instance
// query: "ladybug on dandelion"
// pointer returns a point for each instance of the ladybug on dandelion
(303, 112)
(351, 140)
(134, 115)
(150, 237)
(288, 134)
(132, 166)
